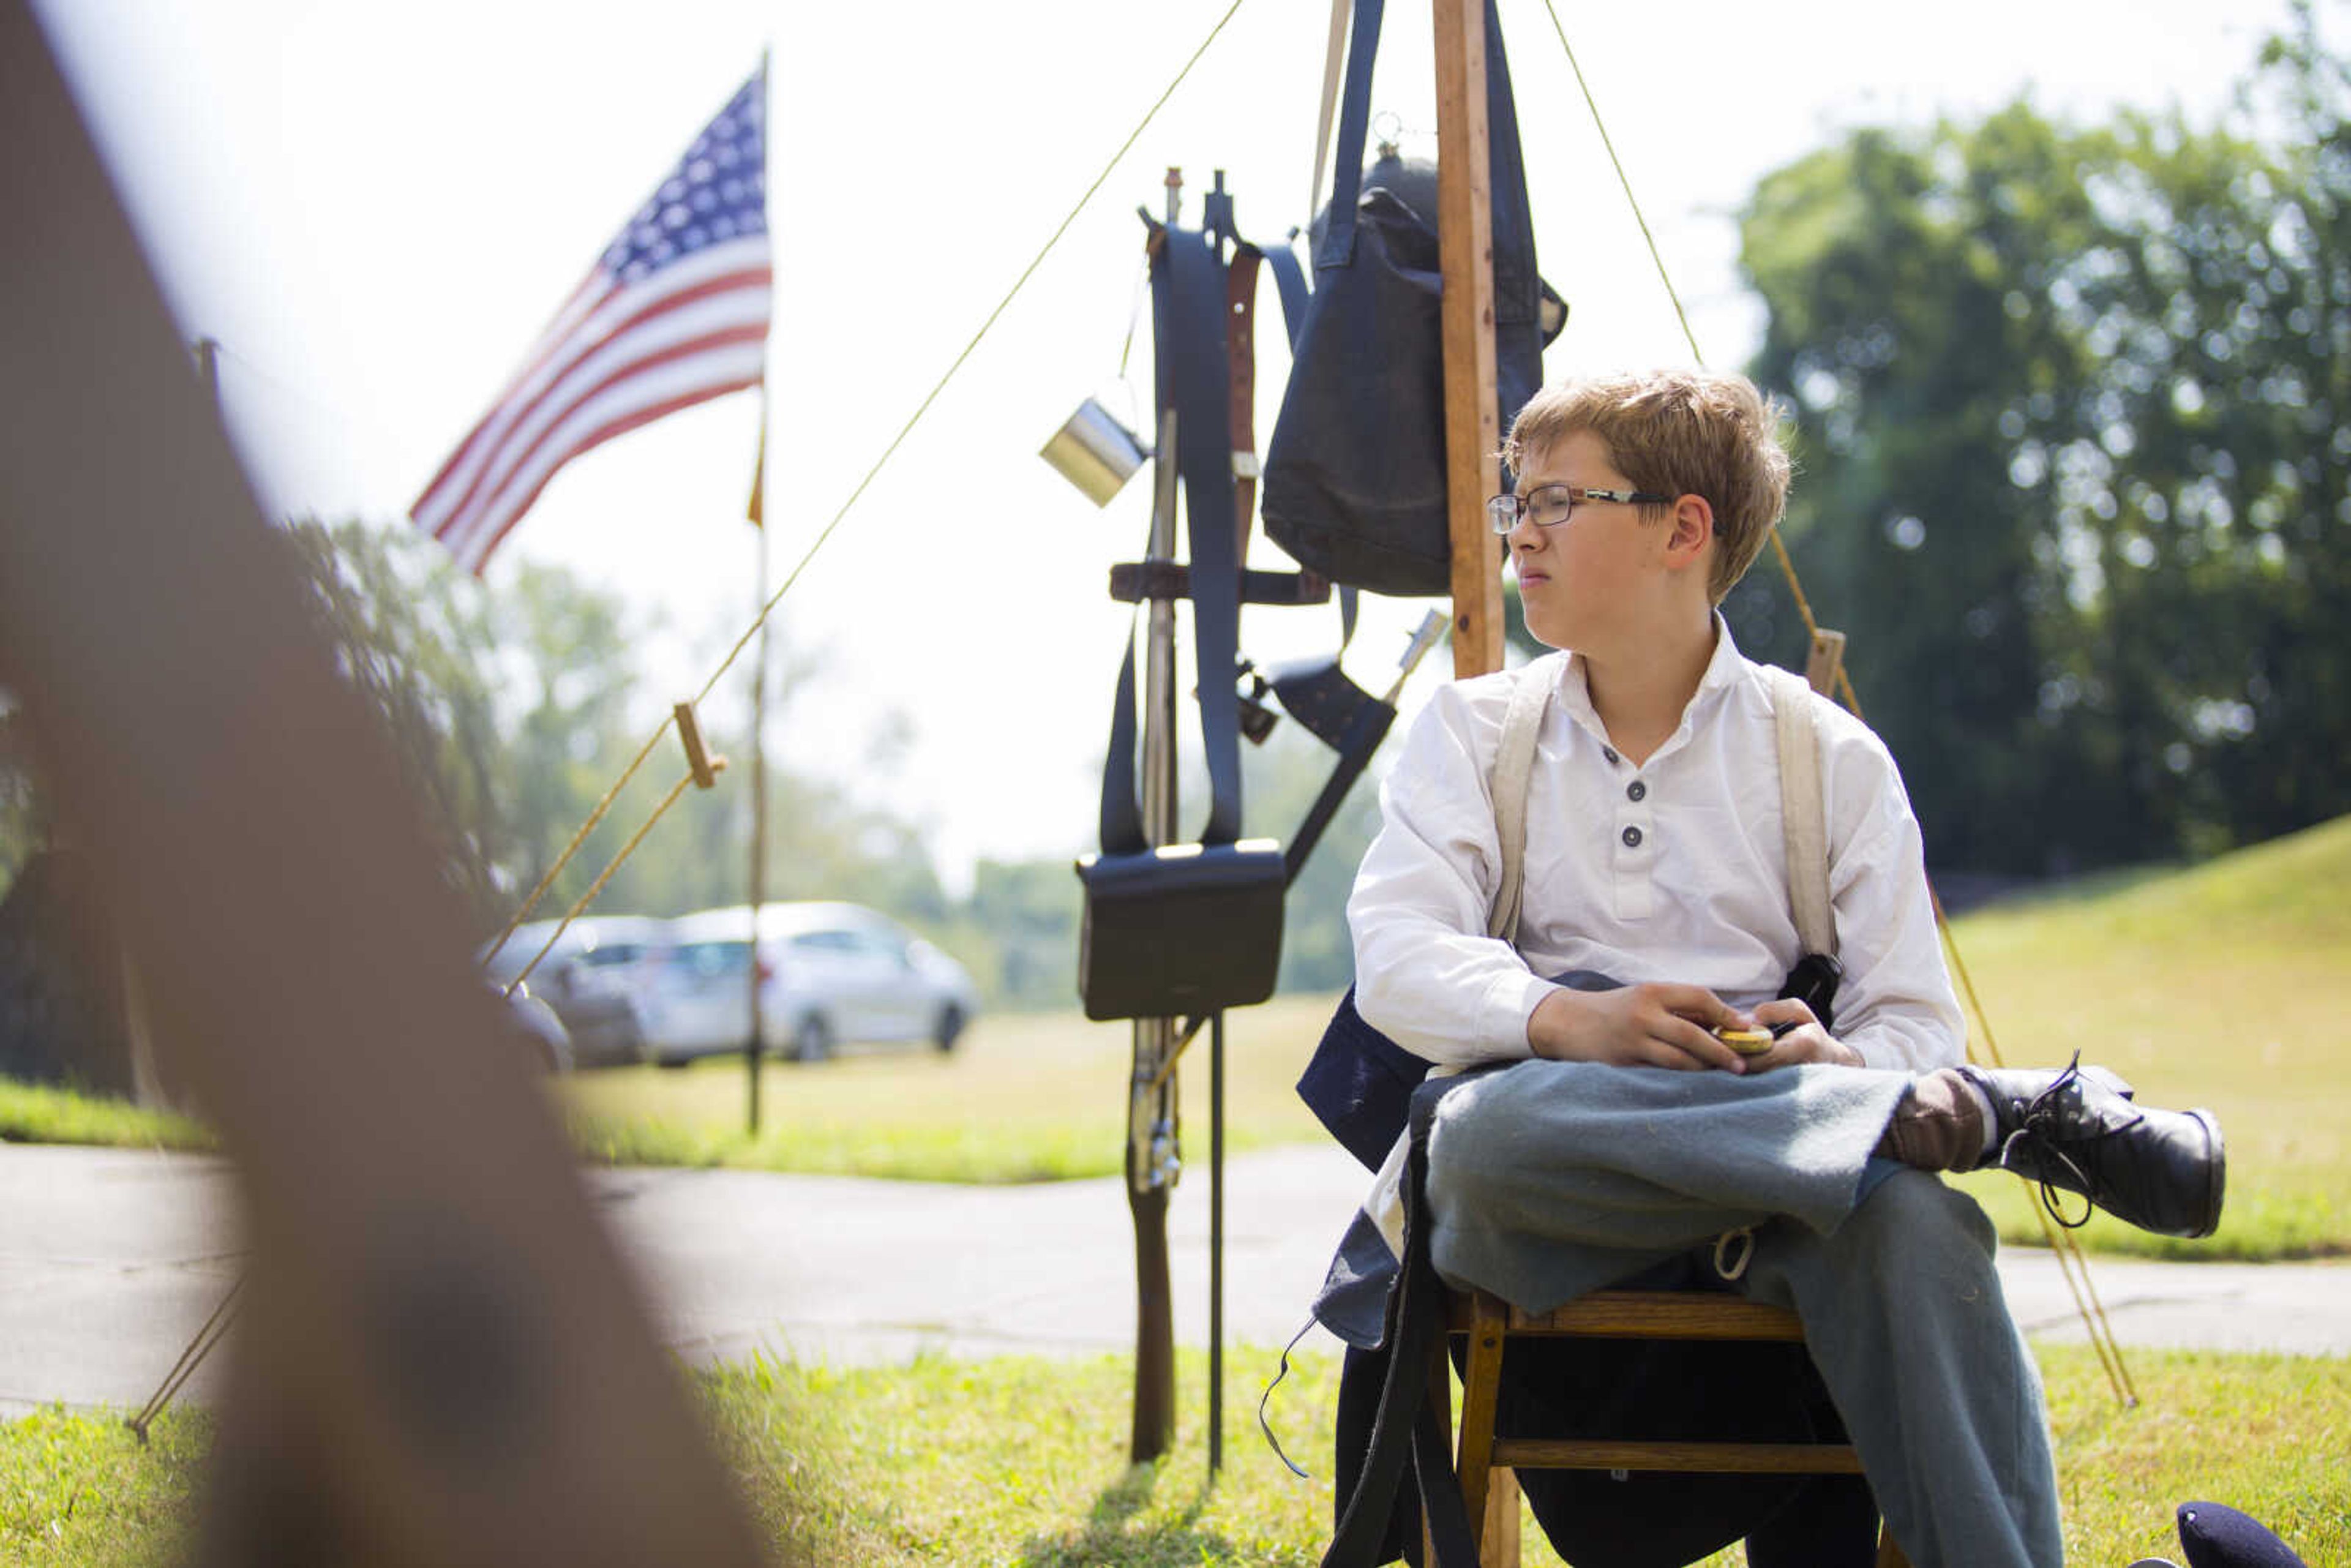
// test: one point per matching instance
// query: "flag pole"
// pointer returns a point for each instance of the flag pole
(757, 514)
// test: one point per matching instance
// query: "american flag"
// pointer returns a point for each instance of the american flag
(674, 312)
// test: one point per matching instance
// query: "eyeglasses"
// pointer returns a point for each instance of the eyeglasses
(1548, 505)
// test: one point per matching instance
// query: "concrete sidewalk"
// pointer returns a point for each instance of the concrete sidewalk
(109, 1260)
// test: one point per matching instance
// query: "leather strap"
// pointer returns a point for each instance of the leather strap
(1803, 811)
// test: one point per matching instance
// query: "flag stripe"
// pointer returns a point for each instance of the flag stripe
(736, 300)
(551, 443)
(613, 310)
(748, 368)
(548, 342)
(610, 311)
(719, 361)
(675, 312)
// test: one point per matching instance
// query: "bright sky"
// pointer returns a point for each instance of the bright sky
(374, 209)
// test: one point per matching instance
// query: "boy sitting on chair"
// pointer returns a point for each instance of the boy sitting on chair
(1617, 1132)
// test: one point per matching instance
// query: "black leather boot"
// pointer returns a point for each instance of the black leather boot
(2078, 1129)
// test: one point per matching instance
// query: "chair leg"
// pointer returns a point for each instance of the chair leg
(1481, 1384)
(1497, 1539)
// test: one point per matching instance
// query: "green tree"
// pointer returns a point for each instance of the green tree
(1282, 780)
(411, 634)
(1017, 931)
(511, 713)
(567, 677)
(2069, 422)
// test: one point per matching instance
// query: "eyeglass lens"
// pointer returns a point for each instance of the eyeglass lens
(1546, 509)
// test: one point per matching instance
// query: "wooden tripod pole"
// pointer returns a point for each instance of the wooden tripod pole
(1464, 238)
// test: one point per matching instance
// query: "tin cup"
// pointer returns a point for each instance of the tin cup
(1095, 451)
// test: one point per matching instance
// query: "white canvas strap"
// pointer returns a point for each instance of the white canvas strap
(1802, 807)
(1514, 761)
(1803, 811)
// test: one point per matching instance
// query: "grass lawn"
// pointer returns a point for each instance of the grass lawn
(40, 1114)
(1025, 1097)
(2222, 986)
(1023, 1461)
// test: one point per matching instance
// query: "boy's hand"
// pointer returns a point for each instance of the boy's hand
(1638, 1026)
(1803, 1040)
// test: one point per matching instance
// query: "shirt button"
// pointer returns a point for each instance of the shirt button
(1637, 791)
(1632, 838)
(1610, 753)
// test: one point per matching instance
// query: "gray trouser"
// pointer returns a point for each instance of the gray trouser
(1552, 1178)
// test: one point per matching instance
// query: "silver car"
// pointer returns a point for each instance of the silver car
(593, 977)
(829, 974)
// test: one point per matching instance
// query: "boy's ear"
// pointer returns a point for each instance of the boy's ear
(1690, 527)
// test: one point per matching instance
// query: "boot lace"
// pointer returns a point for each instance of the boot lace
(2042, 1120)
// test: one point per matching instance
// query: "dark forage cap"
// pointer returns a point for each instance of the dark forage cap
(2218, 1537)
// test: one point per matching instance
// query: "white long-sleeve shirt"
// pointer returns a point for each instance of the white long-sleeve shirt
(1673, 870)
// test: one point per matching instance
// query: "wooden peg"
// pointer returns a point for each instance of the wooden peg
(706, 768)
(1826, 663)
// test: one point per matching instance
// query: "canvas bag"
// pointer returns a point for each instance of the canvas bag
(1355, 476)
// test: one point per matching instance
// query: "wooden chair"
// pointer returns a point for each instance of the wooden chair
(1488, 1465)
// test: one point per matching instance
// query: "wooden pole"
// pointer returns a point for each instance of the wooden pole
(759, 889)
(1465, 231)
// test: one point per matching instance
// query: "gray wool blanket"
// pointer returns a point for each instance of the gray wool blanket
(1549, 1179)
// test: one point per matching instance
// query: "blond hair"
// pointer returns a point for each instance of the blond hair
(1683, 432)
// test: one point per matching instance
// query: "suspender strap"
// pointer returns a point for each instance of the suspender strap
(1802, 812)
(1802, 806)
(1514, 761)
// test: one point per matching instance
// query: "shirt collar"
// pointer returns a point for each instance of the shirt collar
(1725, 669)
